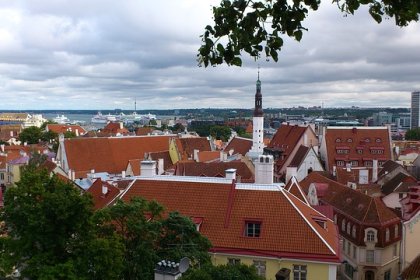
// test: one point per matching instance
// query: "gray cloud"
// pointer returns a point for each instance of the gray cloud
(102, 54)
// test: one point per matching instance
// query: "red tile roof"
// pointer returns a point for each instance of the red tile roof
(62, 128)
(110, 154)
(238, 145)
(412, 271)
(208, 156)
(186, 146)
(101, 199)
(146, 130)
(355, 204)
(357, 138)
(214, 169)
(299, 156)
(288, 228)
(114, 128)
(294, 188)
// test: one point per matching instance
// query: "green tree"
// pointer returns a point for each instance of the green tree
(220, 132)
(52, 233)
(49, 136)
(413, 134)
(30, 135)
(223, 272)
(149, 238)
(44, 124)
(257, 27)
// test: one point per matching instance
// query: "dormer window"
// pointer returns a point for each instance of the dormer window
(252, 229)
(343, 225)
(370, 236)
(378, 140)
(396, 231)
(348, 228)
(353, 232)
(338, 140)
(387, 235)
(367, 140)
(349, 140)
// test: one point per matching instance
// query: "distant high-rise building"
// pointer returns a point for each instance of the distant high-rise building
(415, 109)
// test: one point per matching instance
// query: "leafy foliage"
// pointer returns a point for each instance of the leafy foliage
(149, 238)
(51, 233)
(257, 27)
(413, 134)
(30, 135)
(220, 132)
(223, 272)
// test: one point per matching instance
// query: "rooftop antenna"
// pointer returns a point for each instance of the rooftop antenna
(135, 105)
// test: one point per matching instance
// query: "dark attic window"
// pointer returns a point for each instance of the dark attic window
(252, 229)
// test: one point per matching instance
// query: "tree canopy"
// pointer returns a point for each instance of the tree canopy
(223, 272)
(257, 27)
(413, 134)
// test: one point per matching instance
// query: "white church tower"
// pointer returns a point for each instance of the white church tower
(258, 125)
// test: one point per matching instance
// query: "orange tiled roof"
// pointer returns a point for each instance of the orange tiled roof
(208, 156)
(188, 145)
(100, 199)
(294, 188)
(144, 130)
(239, 145)
(355, 204)
(3, 160)
(110, 154)
(114, 128)
(287, 225)
(413, 270)
(353, 139)
(214, 169)
(62, 128)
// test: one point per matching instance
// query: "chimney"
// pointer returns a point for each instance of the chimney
(221, 157)
(73, 175)
(92, 171)
(264, 169)
(104, 189)
(121, 125)
(305, 140)
(334, 171)
(291, 171)
(148, 168)
(2, 148)
(69, 174)
(196, 155)
(374, 170)
(161, 168)
(230, 174)
(123, 174)
(77, 132)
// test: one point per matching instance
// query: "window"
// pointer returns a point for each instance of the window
(354, 253)
(367, 140)
(232, 261)
(368, 163)
(387, 235)
(360, 151)
(299, 272)
(348, 270)
(400, 195)
(387, 275)
(335, 219)
(253, 229)
(340, 163)
(381, 163)
(370, 256)
(348, 228)
(354, 163)
(370, 236)
(353, 232)
(349, 140)
(348, 248)
(343, 225)
(260, 266)
(396, 231)
(378, 140)
(380, 152)
(338, 140)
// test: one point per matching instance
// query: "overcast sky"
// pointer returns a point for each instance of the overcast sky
(102, 54)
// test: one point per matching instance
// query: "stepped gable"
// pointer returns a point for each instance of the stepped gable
(288, 228)
(299, 156)
(361, 207)
(214, 169)
(110, 154)
(238, 145)
(101, 199)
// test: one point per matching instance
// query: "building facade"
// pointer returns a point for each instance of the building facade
(415, 109)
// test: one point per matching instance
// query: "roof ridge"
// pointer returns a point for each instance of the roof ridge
(367, 210)
(306, 220)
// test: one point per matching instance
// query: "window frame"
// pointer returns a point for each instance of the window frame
(254, 224)
(300, 272)
(260, 266)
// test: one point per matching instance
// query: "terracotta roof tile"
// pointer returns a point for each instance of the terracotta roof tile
(189, 144)
(214, 169)
(355, 204)
(225, 210)
(101, 199)
(62, 128)
(238, 145)
(208, 156)
(299, 156)
(146, 130)
(396, 182)
(362, 138)
(413, 270)
(110, 154)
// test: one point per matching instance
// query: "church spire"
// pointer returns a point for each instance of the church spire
(258, 111)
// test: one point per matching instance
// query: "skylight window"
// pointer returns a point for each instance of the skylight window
(252, 229)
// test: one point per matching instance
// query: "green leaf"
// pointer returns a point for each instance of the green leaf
(237, 61)
(298, 35)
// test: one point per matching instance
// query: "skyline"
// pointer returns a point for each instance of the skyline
(100, 55)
